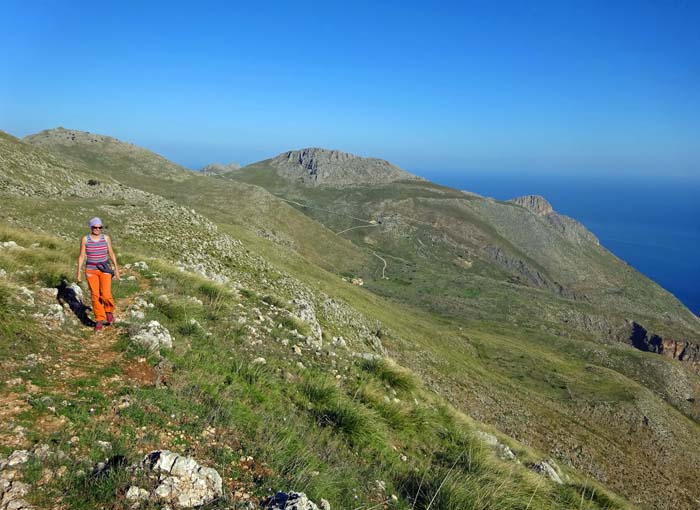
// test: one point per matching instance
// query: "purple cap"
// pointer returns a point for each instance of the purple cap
(95, 222)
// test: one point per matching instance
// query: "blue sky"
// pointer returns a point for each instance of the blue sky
(562, 87)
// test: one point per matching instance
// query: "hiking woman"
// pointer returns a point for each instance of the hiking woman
(95, 251)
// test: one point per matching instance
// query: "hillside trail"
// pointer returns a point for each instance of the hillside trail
(306, 206)
(66, 362)
(384, 261)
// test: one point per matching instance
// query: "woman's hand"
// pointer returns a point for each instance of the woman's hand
(79, 277)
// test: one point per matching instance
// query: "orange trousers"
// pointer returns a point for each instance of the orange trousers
(101, 290)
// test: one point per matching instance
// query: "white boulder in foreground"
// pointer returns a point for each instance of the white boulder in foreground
(153, 336)
(183, 482)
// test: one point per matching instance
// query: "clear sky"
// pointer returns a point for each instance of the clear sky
(528, 85)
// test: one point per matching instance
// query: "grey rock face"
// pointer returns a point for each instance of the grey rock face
(183, 482)
(219, 168)
(676, 348)
(153, 336)
(318, 167)
(568, 227)
(536, 203)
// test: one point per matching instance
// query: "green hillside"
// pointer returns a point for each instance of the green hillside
(497, 321)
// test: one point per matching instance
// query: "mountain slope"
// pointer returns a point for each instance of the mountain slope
(470, 305)
(425, 224)
(524, 271)
(211, 396)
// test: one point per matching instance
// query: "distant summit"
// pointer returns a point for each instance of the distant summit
(319, 167)
(124, 157)
(570, 228)
(219, 168)
(63, 136)
(536, 203)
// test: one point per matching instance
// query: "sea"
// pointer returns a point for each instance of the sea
(652, 223)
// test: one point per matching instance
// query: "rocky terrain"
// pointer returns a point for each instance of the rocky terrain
(219, 168)
(495, 354)
(321, 167)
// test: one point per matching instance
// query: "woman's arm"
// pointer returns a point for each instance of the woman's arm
(113, 257)
(81, 259)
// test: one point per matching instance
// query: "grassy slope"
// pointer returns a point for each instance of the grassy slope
(276, 425)
(573, 403)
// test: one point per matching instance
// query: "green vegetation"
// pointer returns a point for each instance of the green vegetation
(312, 435)
(226, 261)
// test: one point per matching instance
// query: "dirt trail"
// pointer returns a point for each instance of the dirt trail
(65, 358)
(353, 228)
(383, 260)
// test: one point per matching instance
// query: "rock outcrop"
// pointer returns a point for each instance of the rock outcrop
(153, 336)
(678, 349)
(293, 501)
(536, 203)
(549, 469)
(322, 167)
(183, 483)
(219, 168)
(566, 226)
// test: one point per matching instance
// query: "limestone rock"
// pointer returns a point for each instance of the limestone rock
(77, 289)
(18, 457)
(153, 336)
(550, 469)
(136, 494)
(50, 292)
(183, 482)
(307, 313)
(318, 167)
(25, 295)
(503, 451)
(292, 501)
(535, 203)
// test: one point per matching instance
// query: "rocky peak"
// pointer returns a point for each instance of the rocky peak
(535, 203)
(63, 136)
(219, 168)
(315, 166)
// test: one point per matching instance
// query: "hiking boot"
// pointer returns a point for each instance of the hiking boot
(110, 318)
(98, 326)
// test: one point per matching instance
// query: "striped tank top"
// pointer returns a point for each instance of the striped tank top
(96, 251)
